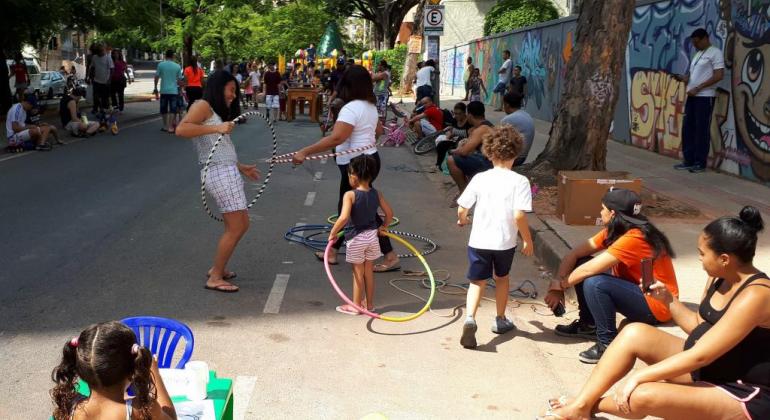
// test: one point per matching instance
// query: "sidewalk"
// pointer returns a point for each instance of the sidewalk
(714, 194)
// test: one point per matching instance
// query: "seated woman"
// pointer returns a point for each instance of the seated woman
(721, 371)
(106, 357)
(628, 238)
(460, 128)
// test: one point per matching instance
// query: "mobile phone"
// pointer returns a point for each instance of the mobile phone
(559, 310)
(647, 277)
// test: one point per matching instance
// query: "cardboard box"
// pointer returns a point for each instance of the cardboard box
(581, 192)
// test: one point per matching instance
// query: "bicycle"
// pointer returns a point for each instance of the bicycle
(428, 143)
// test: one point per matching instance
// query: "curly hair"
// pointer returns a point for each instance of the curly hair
(102, 356)
(502, 143)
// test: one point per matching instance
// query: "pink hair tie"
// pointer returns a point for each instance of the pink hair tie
(135, 349)
(74, 342)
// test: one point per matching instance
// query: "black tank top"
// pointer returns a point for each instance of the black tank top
(64, 111)
(748, 361)
(363, 215)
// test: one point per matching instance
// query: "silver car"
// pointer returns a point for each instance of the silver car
(52, 83)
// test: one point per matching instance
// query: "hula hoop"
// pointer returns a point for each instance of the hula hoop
(286, 158)
(211, 155)
(333, 219)
(319, 245)
(373, 314)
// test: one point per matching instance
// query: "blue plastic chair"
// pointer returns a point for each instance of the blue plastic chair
(162, 345)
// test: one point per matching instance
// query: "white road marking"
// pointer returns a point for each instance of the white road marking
(301, 233)
(274, 299)
(242, 392)
(310, 199)
(318, 175)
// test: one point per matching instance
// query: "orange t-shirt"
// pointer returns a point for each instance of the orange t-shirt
(194, 76)
(630, 249)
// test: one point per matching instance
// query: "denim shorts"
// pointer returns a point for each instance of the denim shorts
(472, 164)
(499, 87)
(168, 100)
(482, 263)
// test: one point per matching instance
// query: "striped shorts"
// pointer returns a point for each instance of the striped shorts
(363, 247)
(225, 184)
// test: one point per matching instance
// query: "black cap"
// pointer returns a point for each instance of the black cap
(626, 204)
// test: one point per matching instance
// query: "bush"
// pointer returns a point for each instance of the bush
(508, 15)
(396, 57)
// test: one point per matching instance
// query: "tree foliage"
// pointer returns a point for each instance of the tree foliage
(395, 57)
(508, 15)
(385, 15)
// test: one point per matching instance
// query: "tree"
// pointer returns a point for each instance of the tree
(386, 16)
(508, 15)
(578, 138)
(410, 66)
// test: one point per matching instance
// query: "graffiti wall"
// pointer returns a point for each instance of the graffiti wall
(651, 107)
(453, 67)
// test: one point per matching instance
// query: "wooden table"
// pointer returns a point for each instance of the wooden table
(220, 390)
(299, 95)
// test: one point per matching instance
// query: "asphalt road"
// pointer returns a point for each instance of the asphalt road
(112, 227)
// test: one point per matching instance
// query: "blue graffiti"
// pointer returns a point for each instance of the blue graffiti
(660, 33)
(533, 66)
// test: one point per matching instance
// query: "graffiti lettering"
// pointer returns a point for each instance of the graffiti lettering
(600, 88)
(656, 111)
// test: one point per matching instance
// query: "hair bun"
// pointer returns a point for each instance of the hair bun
(752, 218)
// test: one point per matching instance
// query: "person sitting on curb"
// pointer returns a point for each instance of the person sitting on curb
(521, 121)
(467, 160)
(70, 117)
(22, 136)
(429, 120)
(460, 127)
(721, 370)
(628, 237)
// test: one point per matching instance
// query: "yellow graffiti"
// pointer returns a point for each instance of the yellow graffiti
(657, 109)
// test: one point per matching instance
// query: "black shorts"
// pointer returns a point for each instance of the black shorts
(754, 398)
(482, 263)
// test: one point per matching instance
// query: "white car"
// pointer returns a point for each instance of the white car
(52, 83)
(34, 75)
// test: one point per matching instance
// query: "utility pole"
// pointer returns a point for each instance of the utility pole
(433, 28)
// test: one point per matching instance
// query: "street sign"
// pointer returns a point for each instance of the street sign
(433, 23)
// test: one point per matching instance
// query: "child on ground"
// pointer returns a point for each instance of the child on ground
(106, 357)
(501, 197)
(359, 213)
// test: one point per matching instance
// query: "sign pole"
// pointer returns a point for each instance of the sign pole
(433, 27)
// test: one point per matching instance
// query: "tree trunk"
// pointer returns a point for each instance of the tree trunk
(578, 138)
(187, 50)
(410, 65)
(5, 90)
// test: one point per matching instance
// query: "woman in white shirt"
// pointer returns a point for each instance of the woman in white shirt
(357, 126)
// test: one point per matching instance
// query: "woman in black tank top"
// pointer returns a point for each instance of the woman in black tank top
(721, 371)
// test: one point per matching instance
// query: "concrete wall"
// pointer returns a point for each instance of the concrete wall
(651, 103)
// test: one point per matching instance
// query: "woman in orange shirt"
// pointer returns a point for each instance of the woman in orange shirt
(194, 77)
(627, 239)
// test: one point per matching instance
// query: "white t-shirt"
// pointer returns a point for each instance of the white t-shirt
(362, 115)
(239, 78)
(15, 114)
(702, 68)
(254, 79)
(497, 193)
(423, 76)
(506, 75)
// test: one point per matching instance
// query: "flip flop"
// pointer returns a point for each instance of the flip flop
(321, 258)
(230, 276)
(387, 268)
(550, 415)
(224, 288)
(341, 309)
(554, 403)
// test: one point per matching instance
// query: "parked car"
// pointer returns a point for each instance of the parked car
(130, 73)
(34, 75)
(52, 83)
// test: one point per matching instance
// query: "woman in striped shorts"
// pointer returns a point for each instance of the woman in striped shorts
(207, 119)
(359, 213)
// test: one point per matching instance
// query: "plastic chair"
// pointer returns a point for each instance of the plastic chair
(162, 345)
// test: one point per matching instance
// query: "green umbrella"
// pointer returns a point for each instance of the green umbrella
(330, 41)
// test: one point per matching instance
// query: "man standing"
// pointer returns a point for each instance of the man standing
(271, 90)
(518, 85)
(521, 121)
(169, 73)
(310, 53)
(424, 76)
(101, 73)
(467, 75)
(706, 70)
(20, 72)
(504, 76)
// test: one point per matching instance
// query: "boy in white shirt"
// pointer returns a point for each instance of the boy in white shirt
(501, 197)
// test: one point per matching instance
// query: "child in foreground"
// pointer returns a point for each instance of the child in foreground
(359, 213)
(501, 197)
(106, 357)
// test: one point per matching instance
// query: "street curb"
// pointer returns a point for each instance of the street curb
(550, 248)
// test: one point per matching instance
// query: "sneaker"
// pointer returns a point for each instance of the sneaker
(576, 329)
(592, 355)
(502, 325)
(697, 169)
(468, 340)
(683, 166)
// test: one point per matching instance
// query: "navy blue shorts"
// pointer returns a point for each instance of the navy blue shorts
(167, 101)
(472, 164)
(484, 262)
